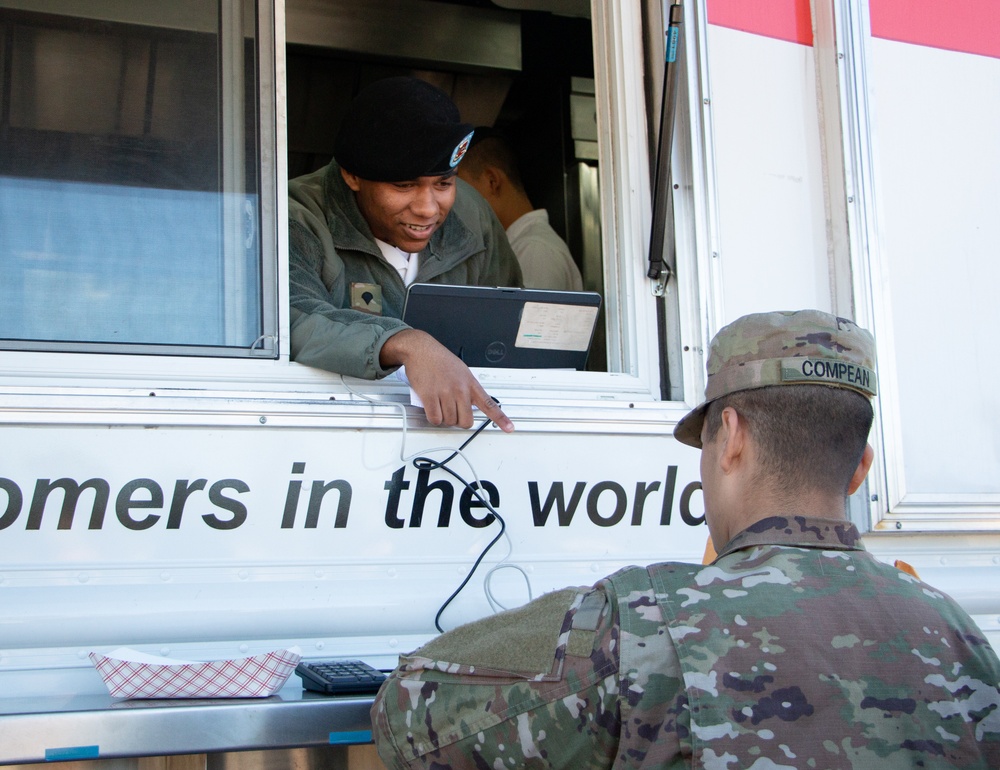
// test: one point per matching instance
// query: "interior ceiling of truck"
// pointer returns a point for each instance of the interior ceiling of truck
(579, 8)
(501, 66)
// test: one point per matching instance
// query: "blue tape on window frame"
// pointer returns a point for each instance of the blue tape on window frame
(72, 752)
(355, 736)
(673, 38)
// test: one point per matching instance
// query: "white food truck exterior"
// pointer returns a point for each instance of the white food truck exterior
(839, 154)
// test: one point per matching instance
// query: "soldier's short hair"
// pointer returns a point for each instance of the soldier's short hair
(491, 148)
(807, 437)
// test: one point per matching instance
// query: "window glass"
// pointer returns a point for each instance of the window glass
(128, 176)
(938, 248)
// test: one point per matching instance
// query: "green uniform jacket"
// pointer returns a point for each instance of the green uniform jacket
(331, 247)
(794, 649)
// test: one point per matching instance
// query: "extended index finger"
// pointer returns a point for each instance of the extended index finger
(491, 409)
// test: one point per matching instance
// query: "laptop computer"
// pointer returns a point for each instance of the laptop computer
(506, 327)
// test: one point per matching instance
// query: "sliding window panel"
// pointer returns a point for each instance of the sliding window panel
(130, 182)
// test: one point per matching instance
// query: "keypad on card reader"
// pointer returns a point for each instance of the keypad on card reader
(339, 677)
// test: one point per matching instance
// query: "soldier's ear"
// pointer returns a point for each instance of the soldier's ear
(733, 437)
(494, 178)
(862, 470)
(351, 180)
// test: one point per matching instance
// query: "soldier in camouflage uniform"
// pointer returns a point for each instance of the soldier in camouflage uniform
(793, 649)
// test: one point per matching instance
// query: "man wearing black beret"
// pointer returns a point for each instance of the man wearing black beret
(389, 211)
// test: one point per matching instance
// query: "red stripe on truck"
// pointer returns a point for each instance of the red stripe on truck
(789, 20)
(969, 26)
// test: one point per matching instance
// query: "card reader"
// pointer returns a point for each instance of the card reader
(340, 677)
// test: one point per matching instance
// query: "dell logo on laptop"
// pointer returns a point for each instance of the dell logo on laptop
(495, 351)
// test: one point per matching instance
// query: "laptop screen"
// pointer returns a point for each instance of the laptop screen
(506, 327)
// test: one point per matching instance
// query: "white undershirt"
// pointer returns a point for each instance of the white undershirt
(404, 262)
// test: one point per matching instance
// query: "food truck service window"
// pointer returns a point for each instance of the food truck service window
(578, 111)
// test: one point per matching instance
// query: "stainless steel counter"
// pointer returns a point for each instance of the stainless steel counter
(54, 728)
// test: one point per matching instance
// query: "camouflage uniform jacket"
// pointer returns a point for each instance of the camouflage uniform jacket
(793, 649)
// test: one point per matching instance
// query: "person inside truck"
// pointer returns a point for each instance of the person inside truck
(491, 167)
(793, 648)
(389, 211)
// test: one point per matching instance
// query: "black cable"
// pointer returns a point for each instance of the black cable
(426, 463)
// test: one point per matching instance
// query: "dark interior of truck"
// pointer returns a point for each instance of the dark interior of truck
(524, 68)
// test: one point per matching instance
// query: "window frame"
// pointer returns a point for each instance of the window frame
(844, 60)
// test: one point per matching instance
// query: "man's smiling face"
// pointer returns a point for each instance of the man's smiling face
(404, 214)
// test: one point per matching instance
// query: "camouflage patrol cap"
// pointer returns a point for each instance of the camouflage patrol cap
(803, 347)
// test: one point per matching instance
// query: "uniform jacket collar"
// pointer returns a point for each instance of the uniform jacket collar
(798, 532)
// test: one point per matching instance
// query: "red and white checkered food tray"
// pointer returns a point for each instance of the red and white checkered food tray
(132, 674)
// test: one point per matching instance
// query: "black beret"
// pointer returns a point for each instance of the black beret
(399, 129)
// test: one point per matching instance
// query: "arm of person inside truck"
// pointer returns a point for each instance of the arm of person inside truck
(360, 344)
(435, 372)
